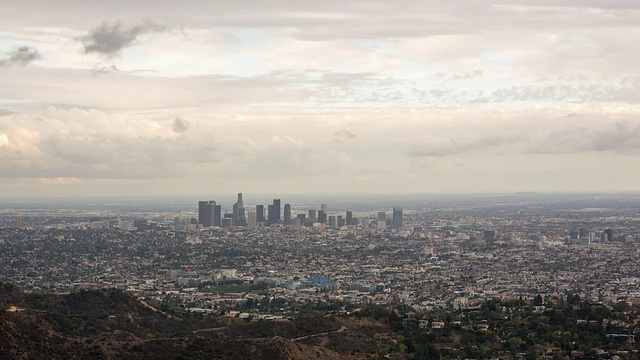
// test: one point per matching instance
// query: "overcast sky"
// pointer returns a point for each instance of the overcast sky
(104, 98)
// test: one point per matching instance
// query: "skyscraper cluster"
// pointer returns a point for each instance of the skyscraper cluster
(210, 214)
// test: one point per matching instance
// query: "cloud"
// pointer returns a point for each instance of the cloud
(344, 133)
(22, 55)
(60, 181)
(5, 112)
(180, 125)
(285, 156)
(111, 39)
(544, 133)
(607, 135)
(453, 146)
(103, 69)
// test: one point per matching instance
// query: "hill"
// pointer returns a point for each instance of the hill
(111, 324)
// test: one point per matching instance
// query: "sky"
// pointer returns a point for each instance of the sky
(158, 97)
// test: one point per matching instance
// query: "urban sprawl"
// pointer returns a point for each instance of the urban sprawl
(438, 257)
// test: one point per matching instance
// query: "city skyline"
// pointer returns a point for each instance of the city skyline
(209, 214)
(157, 97)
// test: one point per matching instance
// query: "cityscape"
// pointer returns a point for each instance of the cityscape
(210, 214)
(428, 258)
(341, 180)
(425, 257)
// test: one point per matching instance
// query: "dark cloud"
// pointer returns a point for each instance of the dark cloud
(110, 39)
(5, 112)
(103, 69)
(180, 125)
(22, 55)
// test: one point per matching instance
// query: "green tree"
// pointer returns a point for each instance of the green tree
(537, 301)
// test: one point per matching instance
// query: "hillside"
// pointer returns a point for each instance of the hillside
(111, 324)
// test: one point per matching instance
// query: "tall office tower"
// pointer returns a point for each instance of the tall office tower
(323, 207)
(234, 217)
(251, 219)
(341, 221)
(260, 213)
(278, 208)
(209, 214)
(583, 233)
(312, 216)
(240, 202)
(18, 222)
(397, 217)
(332, 221)
(205, 213)
(382, 216)
(349, 218)
(608, 235)
(239, 218)
(287, 214)
(216, 214)
(271, 214)
(574, 237)
(274, 212)
(322, 217)
(202, 212)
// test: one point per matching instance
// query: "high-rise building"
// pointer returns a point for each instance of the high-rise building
(397, 217)
(287, 214)
(260, 213)
(202, 213)
(278, 208)
(322, 217)
(206, 213)
(349, 218)
(608, 235)
(583, 233)
(274, 212)
(312, 216)
(18, 222)
(234, 217)
(240, 202)
(382, 216)
(238, 212)
(271, 214)
(251, 219)
(215, 212)
(323, 207)
(574, 237)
